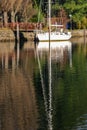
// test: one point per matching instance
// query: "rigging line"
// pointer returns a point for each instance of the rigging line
(42, 83)
(39, 11)
(50, 91)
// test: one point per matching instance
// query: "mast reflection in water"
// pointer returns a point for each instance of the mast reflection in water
(55, 51)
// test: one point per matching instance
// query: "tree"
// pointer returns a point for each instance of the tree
(10, 5)
(27, 12)
(13, 8)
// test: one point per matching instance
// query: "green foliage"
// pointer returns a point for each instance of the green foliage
(84, 22)
(78, 9)
(79, 25)
(55, 9)
(36, 19)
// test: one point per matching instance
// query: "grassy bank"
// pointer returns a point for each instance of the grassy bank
(79, 33)
(6, 34)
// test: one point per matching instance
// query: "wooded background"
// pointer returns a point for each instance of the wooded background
(36, 11)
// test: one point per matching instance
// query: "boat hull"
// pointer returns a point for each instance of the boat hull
(53, 36)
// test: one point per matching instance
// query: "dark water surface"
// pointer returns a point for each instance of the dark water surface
(42, 88)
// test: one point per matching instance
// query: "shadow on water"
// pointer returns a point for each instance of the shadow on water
(22, 40)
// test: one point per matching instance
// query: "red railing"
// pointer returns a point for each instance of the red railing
(24, 26)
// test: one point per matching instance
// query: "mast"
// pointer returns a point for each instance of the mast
(49, 18)
(49, 9)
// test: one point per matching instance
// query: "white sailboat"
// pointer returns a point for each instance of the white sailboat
(54, 35)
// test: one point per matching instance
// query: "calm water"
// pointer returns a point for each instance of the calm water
(42, 88)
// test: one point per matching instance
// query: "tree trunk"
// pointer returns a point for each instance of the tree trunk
(5, 19)
(12, 16)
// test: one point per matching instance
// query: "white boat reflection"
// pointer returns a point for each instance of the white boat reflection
(53, 45)
(59, 50)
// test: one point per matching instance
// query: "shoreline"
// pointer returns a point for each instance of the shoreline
(79, 33)
(7, 35)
